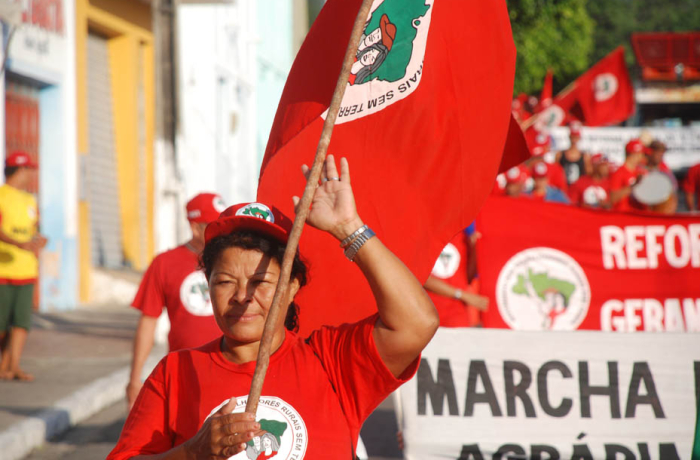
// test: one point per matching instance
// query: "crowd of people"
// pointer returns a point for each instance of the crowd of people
(643, 182)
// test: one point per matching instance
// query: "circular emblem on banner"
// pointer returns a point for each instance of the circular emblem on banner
(542, 289)
(447, 263)
(194, 294)
(605, 86)
(551, 117)
(258, 210)
(390, 57)
(282, 433)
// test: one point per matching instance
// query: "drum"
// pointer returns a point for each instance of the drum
(655, 192)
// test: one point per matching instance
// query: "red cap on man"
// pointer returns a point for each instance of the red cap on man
(635, 146)
(540, 145)
(19, 160)
(516, 175)
(598, 158)
(205, 208)
(540, 170)
(575, 128)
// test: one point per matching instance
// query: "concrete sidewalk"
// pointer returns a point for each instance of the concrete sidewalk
(80, 361)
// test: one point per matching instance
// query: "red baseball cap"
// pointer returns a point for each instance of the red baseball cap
(516, 175)
(19, 159)
(575, 128)
(599, 158)
(635, 146)
(205, 208)
(540, 144)
(251, 216)
(539, 170)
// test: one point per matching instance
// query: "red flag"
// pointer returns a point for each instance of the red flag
(546, 94)
(605, 93)
(424, 123)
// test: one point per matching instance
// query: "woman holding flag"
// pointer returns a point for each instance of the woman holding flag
(319, 389)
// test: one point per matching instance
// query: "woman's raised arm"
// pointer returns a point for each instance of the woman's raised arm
(407, 317)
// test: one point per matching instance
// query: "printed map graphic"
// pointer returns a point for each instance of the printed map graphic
(542, 282)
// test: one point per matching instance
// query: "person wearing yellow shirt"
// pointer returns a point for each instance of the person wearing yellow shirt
(20, 244)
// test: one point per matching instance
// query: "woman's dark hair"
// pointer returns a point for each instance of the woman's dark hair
(257, 242)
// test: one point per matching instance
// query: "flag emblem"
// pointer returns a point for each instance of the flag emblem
(389, 60)
(605, 86)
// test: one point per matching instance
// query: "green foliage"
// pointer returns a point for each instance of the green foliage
(556, 34)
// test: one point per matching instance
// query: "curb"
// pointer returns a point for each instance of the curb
(21, 438)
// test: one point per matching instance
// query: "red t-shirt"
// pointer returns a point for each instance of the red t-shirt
(620, 179)
(691, 184)
(317, 394)
(451, 267)
(174, 282)
(590, 192)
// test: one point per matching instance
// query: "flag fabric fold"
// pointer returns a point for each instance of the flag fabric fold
(425, 124)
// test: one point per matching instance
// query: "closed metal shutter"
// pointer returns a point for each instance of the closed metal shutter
(103, 194)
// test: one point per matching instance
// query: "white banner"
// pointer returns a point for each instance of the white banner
(683, 143)
(482, 394)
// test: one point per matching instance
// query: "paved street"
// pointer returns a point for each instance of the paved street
(92, 439)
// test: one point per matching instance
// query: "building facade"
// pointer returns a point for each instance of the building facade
(38, 87)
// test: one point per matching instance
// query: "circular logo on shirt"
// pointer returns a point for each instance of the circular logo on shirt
(194, 294)
(604, 86)
(447, 263)
(282, 433)
(388, 63)
(594, 195)
(542, 289)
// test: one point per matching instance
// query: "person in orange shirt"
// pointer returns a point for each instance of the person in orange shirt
(20, 244)
(627, 175)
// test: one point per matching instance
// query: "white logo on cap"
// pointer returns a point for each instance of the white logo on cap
(218, 204)
(21, 160)
(541, 168)
(513, 173)
(258, 210)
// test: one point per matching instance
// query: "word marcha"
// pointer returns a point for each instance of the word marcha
(530, 387)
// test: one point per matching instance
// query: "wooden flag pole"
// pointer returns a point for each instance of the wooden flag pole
(303, 210)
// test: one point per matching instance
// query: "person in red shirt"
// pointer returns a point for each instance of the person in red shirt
(593, 191)
(174, 282)
(574, 162)
(451, 284)
(542, 190)
(318, 390)
(516, 177)
(691, 188)
(555, 172)
(622, 180)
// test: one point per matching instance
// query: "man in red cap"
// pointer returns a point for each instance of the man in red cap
(555, 173)
(515, 181)
(175, 282)
(593, 191)
(20, 244)
(573, 161)
(542, 190)
(627, 175)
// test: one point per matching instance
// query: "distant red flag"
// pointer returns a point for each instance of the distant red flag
(424, 123)
(546, 94)
(604, 93)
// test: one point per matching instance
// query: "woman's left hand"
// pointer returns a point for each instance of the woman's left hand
(333, 207)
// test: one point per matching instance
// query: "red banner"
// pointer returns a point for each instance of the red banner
(547, 266)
